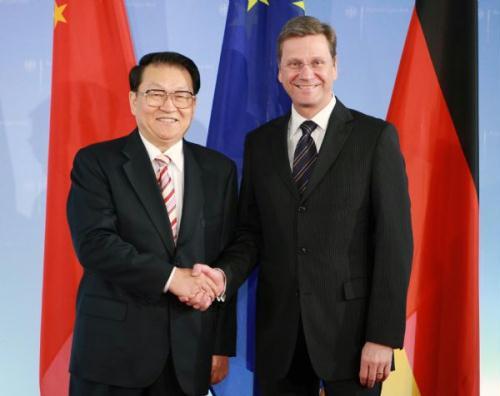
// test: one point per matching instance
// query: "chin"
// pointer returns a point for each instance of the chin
(307, 104)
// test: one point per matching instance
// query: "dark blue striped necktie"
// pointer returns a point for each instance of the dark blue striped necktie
(305, 156)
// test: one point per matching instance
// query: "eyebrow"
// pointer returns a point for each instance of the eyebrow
(154, 85)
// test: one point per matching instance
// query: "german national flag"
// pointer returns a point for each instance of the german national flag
(434, 106)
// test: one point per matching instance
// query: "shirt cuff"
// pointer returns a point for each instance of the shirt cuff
(222, 297)
(169, 280)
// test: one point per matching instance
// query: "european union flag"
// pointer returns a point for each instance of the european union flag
(247, 94)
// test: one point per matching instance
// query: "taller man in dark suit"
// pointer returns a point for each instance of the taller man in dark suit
(142, 210)
(324, 209)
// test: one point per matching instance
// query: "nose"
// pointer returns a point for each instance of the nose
(306, 71)
(168, 104)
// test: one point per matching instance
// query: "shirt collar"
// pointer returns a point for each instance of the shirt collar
(321, 118)
(175, 153)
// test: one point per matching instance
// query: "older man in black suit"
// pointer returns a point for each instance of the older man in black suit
(324, 209)
(142, 210)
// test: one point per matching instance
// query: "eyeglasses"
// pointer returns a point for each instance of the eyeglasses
(316, 64)
(157, 98)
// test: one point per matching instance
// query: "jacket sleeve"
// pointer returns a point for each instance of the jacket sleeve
(392, 243)
(241, 255)
(94, 230)
(225, 335)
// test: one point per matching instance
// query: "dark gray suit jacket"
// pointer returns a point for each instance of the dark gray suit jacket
(338, 257)
(125, 325)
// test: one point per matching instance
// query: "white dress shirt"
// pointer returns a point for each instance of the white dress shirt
(318, 135)
(176, 172)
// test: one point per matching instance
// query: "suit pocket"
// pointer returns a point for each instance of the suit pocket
(356, 288)
(102, 307)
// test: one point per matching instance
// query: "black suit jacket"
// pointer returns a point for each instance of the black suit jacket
(125, 325)
(338, 257)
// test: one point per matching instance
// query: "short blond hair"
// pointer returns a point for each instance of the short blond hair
(302, 26)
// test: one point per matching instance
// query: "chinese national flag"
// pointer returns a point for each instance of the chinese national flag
(92, 54)
(434, 106)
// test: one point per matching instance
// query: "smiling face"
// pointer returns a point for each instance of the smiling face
(165, 125)
(310, 85)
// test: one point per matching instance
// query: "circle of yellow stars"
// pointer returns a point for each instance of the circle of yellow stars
(252, 3)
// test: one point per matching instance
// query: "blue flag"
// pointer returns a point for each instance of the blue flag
(247, 94)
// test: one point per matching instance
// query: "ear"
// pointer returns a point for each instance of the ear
(194, 103)
(335, 70)
(280, 75)
(132, 98)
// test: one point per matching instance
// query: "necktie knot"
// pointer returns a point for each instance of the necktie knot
(162, 160)
(308, 127)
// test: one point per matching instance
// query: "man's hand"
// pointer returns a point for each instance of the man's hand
(216, 275)
(186, 284)
(220, 368)
(376, 363)
(198, 301)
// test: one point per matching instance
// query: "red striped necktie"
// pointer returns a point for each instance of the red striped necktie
(166, 184)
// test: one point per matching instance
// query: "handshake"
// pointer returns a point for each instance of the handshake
(198, 287)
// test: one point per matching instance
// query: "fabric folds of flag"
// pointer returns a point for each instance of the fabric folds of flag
(92, 54)
(247, 94)
(434, 106)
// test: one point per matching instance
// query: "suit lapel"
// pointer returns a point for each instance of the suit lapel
(336, 134)
(193, 195)
(279, 147)
(142, 178)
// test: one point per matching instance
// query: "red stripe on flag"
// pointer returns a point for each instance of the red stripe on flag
(92, 54)
(443, 291)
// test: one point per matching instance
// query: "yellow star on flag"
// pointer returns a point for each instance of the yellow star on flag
(58, 13)
(251, 3)
(300, 4)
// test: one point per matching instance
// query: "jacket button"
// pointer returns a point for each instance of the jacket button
(303, 250)
(302, 209)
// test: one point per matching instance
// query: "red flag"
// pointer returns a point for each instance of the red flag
(434, 106)
(92, 54)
